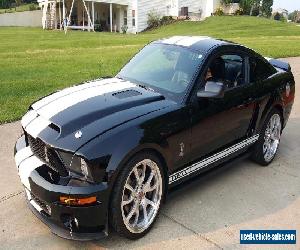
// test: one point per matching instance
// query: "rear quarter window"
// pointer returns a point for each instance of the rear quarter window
(260, 70)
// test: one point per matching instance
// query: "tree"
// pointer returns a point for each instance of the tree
(266, 7)
(250, 6)
(293, 16)
(18, 2)
(5, 4)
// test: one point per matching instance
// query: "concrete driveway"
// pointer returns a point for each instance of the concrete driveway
(204, 214)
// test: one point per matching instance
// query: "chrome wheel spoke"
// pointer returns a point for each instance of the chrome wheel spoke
(147, 186)
(129, 187)
(126, 202)
(132, 212)
(142, 177)
(137, 215)
(149, 202)
(145, 213)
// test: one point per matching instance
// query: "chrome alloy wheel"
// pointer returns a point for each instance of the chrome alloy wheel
(272, 137)
(141, 196)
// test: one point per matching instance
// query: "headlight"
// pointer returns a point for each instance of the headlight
(93, 171)
(84, 168)
(76, 165)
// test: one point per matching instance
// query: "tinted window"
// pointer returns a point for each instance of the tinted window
(227, 69)
(260, 70)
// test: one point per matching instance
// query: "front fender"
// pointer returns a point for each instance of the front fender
(118, 146)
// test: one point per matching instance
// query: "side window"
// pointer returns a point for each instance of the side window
(228, 69)
(259, 70)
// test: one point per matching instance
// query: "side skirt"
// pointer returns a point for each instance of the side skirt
(207, 162)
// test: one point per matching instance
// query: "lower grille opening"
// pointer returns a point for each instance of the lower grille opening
(45, 208)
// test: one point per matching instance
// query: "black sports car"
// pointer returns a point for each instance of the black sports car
(103, 154)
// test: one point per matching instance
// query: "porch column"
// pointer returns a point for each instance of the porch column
(59, 10)
(93, 14)
(64, 14)
(110, 17)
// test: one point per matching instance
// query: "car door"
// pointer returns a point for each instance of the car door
(217, 123)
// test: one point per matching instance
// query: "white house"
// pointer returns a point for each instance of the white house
(112, 15)
(281, 11)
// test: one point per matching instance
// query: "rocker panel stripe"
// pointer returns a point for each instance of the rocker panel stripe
(214, 158)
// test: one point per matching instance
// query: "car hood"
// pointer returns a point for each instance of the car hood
(70, 118)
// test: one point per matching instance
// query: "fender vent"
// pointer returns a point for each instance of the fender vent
(126, 94)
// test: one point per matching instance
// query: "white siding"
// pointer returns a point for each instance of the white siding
(194, 6)
(146, 6)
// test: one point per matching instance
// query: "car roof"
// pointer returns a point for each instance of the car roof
(199, 43)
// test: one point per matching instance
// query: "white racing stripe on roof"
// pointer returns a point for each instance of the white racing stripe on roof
(189, 41)
(172, 40)
(26, 167)
(67, 101)
(46, 100)
(22, 154)
(37, 126)
(184, 40)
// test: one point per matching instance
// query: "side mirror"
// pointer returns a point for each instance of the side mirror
(212, 90)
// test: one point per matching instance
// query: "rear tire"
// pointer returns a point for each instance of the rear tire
(267, 145)
(137, 196)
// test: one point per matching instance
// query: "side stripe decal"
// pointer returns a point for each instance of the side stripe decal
(214, 158)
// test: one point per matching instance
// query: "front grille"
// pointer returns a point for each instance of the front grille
(47, 155)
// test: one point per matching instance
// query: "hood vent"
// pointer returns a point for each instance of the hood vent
(126, 94)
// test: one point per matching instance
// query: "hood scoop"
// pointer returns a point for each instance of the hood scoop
(126, 94)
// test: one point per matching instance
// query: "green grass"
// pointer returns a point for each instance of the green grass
(23, 7)
(34, 62)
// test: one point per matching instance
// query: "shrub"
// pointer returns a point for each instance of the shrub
(219, 12)
(153, 20)
(124, 29)
(33, 6)
(239, 12)
(166, 20)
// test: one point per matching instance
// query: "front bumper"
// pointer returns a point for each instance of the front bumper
(43, 190)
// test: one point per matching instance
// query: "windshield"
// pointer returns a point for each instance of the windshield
(168, 69)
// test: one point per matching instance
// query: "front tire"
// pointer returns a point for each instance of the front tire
(267, 146)
(137, 196)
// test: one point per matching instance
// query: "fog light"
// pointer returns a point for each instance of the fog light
(77, 201)
(48, 209)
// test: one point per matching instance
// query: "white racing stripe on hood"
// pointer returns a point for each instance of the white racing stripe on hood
(67, 101)
(48, 99)
(26, 167)
(28, 117)
(37, 126)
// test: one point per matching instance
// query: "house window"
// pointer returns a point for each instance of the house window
(133, 18)
(125, 17)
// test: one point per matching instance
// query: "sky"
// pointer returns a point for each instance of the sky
(289, 5)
